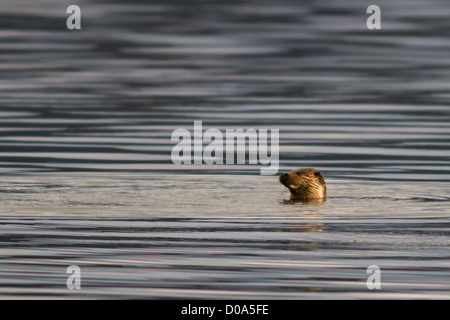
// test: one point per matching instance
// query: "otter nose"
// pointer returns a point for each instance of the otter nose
(283, 177)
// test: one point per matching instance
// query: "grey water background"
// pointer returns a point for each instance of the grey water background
(85, 124)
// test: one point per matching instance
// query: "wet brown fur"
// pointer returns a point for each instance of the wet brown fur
(305, 183)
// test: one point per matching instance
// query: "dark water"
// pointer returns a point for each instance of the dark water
(86, 119)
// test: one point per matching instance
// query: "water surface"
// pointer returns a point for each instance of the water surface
(85, 124)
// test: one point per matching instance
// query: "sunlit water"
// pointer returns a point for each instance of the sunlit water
(85, 124)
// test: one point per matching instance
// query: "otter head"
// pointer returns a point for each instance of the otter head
(305, 183)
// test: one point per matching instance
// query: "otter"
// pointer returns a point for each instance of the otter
(305, 184)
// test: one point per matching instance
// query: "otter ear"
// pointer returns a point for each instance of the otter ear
(319, 175)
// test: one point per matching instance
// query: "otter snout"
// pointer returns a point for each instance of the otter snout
(304, 183)
(283, 178)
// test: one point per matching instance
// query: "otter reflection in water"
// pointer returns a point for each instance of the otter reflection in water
(305, 185)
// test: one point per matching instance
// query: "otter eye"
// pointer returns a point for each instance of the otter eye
(317, 173)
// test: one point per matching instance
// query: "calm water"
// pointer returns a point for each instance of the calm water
(86, 119)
